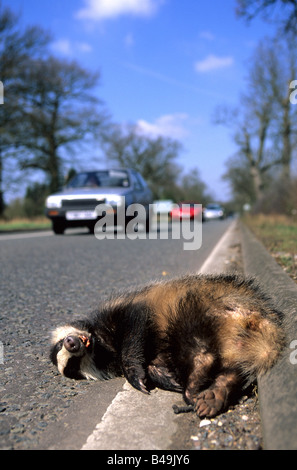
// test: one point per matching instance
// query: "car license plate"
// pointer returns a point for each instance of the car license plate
(81, 215)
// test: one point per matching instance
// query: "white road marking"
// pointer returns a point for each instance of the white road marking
(215, 262)
(20, 236)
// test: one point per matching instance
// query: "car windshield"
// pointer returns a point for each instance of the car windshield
(100, 179)
(213, 207)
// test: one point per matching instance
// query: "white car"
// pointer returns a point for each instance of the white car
(75, 205)
(213, 211)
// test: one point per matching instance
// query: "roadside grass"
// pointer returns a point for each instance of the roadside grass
(278, 234)
(38, 223)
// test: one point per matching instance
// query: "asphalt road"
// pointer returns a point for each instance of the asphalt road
(47, 280)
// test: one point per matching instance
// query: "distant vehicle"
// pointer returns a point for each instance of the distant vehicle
(213, 211)
(185, 210)
(163, 207)
(75, 205)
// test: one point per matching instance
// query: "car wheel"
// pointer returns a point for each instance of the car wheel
(91, 228)
(58, 227)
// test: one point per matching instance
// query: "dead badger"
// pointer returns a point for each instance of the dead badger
(200, 335)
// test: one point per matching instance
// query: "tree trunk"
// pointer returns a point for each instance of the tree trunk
(257, 182)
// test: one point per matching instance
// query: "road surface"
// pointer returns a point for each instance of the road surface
(47, 280)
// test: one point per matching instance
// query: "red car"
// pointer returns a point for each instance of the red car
(186, 210)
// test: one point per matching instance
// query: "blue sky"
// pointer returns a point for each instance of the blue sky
(165, 65)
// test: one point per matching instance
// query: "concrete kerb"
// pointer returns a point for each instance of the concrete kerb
(278, 388)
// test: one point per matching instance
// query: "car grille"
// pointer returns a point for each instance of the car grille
(81, 202)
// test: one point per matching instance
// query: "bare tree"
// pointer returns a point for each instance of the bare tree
(254, 159)
(282, 12)
(192, 188)
(279, 60)
(17, 46)
(59, 113)
(264, 127)
(154, 158)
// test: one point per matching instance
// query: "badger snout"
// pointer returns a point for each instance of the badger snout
(72, 344)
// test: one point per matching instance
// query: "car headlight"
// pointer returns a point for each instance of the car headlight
(115, 200)
(53, 202)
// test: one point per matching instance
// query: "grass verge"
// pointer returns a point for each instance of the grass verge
(278, 234)
(40, 223)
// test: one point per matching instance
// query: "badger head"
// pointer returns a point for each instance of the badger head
(78, 354)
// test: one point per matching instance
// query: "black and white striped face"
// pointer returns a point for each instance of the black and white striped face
(72, 353)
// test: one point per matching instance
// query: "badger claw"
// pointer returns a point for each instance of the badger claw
(138, 383)
(136, 377)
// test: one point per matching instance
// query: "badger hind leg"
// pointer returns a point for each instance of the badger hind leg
(203, 366)
(218, 396)
(251, 344)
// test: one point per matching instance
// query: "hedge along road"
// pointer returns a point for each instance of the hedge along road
(48, 280)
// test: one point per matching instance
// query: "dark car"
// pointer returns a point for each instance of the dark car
(75, 205)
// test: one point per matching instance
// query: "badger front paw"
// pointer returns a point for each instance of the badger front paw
(136, 377)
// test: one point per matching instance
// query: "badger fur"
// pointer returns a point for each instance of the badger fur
(203, 336)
